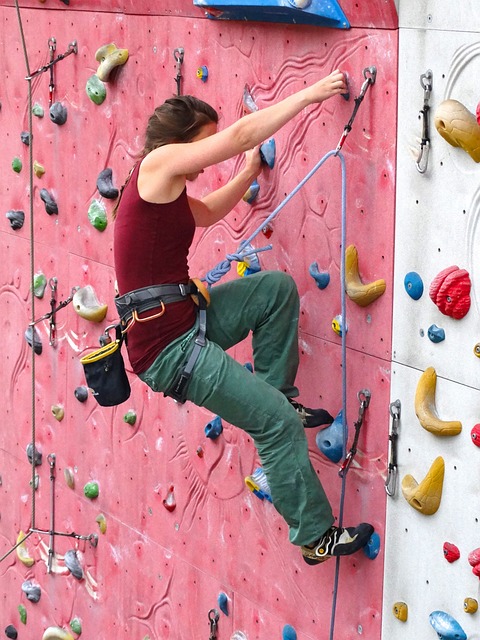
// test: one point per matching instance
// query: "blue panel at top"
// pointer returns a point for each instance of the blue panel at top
(322, 13)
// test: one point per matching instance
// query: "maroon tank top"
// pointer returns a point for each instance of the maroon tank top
(151, 244)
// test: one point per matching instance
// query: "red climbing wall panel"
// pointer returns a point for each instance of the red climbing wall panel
(156, 573)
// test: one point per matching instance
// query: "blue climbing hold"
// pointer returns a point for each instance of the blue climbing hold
(372, 548)
(436, 334)
(214, 428)
(202, 73)
(413, 285)
(446, 626)
(252, 192)
(330, 441)
(322, 278)
(223, 602)
(337, 325)
(322, 13)
(289, 633)
(249, 366)
(258, 484)
(267, 152)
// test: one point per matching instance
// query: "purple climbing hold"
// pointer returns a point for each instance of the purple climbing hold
(25, 137)
(32, 591)
(36, 457)
(105, 184)
(33, 338)
(58, 113)
(16, 217)
(50, 204)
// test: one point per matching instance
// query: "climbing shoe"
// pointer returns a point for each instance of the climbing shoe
(338, 541)
(311, 417)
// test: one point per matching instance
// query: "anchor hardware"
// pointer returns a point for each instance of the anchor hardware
(213, 617)
(426, 80)
(364, 398)
(178, 54)
(370, 75)
(391, 481)
(51, 315)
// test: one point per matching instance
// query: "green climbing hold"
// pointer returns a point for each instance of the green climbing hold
(23, 614)
(76, 626)
(39, 284)
(97, 214)
(17, 164)
(130, 417)
(90, 490)
(37, 110)
(96, 89)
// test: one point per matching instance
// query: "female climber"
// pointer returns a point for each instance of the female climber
(169, 346)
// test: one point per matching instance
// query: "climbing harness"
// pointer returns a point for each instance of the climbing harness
(131, 304)
(391, 481)
(364, 398)
(54, 308)
(52, 45)
(72, 48)
(426, 80)
(213, 617)
(370, 75)
(178, 54)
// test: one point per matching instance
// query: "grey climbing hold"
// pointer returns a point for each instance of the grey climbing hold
(81, 393)
(25, 137)
(105, 184)
(16, 217)
(97, 215)
(58, 113)
(34, 457)
(50, 204)
(96, 89)
(32, 591)
(11, 632)
(73, 565)
(33, 339)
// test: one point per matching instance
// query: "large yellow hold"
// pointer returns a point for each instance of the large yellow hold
(426, 410)
(459, 127)
(425, 496)
(360, 293)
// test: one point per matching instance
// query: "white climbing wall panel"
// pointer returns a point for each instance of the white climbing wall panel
(437, 216)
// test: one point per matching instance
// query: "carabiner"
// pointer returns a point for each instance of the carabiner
(213, 617)
(370, 75)
(391, 481)
(426, 82)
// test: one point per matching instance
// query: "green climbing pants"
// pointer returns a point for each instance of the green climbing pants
(267, 305)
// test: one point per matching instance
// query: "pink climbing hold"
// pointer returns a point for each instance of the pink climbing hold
(169, 503)
(450, 291)
(478, 113)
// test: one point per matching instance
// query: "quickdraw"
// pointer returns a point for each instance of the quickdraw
(72, 48)
(51, 315)
(426, 80)
(370, 75)
(178, 54)
(213, 617)
(391, 481)
(364, 398)
(52, 45)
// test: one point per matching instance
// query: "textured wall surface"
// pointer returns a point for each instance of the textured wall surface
(156, 573)
(437, 215)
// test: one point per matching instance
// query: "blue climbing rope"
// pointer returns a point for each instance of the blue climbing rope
(222, 268)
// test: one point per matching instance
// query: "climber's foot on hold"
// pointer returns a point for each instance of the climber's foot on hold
(338, 541)
(311, 417)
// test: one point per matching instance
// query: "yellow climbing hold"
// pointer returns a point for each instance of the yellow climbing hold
(470, 605)
(38, 169)
(400, 611)
(22, 551)
(425, 407)
(102, 522)
(459, 127)
(86, 304)
(109, 57)
(360, 293)
(56, 633)
(426, 496)
(58, 412)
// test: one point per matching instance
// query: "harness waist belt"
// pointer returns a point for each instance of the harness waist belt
(146, 298)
